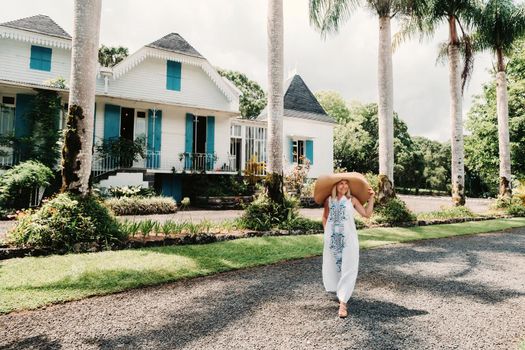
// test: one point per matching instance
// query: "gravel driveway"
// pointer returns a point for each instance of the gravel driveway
(456, 293)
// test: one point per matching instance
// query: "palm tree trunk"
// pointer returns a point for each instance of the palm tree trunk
(503, 128)
(458, 165)
(385, 112)
(274, 179)
(78, 135)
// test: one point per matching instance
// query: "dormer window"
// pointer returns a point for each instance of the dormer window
(40, 58)
(173, 75)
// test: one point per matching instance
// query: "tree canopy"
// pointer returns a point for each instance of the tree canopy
(253, 98)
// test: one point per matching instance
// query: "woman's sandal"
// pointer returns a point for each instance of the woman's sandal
(343, 312)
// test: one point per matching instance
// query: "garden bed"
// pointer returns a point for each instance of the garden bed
(223, 202)
(156, 240)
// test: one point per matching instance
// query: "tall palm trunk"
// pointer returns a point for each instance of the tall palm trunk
(503, 128)
(274, 181)
(456, 95)
(386, 111)
(78, 135)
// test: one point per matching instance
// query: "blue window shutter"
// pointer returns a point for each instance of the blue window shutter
(188, 141)
(154, 138)
(310, 151)
(188, 144)
(291, 150)
(210, 135)
(173, 75)
(22, 108)
(40, 58)
(111, 121)
(210, 142)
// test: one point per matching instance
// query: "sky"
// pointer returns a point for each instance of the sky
(231, 34)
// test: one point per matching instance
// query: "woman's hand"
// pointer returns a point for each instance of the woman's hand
(371, 193)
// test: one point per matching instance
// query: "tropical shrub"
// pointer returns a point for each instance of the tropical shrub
(516, 210)
(302, 224)
(263, 214)
(142, 205)
(296, 178)
(447, 213)
(17, 183)
(394, 211)
(65, 221)
(130, 191)
(125, 150)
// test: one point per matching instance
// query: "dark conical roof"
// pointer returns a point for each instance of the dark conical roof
(175, 43)
(39, 24)
(298, 97)
(300, 102)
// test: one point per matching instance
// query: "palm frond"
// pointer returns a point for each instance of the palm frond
(328, 15)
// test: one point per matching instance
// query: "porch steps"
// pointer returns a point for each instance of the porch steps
(112, 177)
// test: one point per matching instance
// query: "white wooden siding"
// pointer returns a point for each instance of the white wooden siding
(147, 81)
(321, 133)
(14, 63)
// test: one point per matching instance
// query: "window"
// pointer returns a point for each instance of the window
(235, 130)
(255, 143)
(298, 151)
(7, 119)
(173, 75)
(40, 58)
(8, 100)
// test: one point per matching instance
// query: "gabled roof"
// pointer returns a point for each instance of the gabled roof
(175, 43)
(300, 102)
(39, 24)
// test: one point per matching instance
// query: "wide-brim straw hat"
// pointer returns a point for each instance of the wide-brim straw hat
(357, 182)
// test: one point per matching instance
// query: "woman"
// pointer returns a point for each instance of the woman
(341, 246)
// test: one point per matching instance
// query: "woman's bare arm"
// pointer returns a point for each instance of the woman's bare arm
(364, 212)
(325, 212)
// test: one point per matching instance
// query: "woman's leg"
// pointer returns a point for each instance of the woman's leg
(330, 274)
(349, 270)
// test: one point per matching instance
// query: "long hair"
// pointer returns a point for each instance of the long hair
(348, 194)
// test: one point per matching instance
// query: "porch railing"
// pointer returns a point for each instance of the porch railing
(209, 162)
(186, 162)
(9, 158)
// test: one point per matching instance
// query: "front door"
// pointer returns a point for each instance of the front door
(127, 121)
(199, 143)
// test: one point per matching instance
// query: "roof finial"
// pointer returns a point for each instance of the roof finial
(292, 72)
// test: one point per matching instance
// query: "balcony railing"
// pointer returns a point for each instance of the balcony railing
(186, 162)
(9, 158)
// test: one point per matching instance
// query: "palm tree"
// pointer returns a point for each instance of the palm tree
(78, 134)
(327, 16)
(499, 24)
(274, 181)
(458, 15)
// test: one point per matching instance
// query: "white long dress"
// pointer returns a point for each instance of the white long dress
(341, 249)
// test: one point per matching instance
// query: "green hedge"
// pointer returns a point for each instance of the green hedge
(142, 205)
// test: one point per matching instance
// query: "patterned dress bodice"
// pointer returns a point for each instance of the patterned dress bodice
(340, 222)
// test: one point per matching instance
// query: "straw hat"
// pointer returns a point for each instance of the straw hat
(356, 181)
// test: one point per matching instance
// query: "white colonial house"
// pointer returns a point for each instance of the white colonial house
(166, 92)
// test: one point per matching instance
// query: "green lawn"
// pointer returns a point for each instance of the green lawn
(32, 282)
